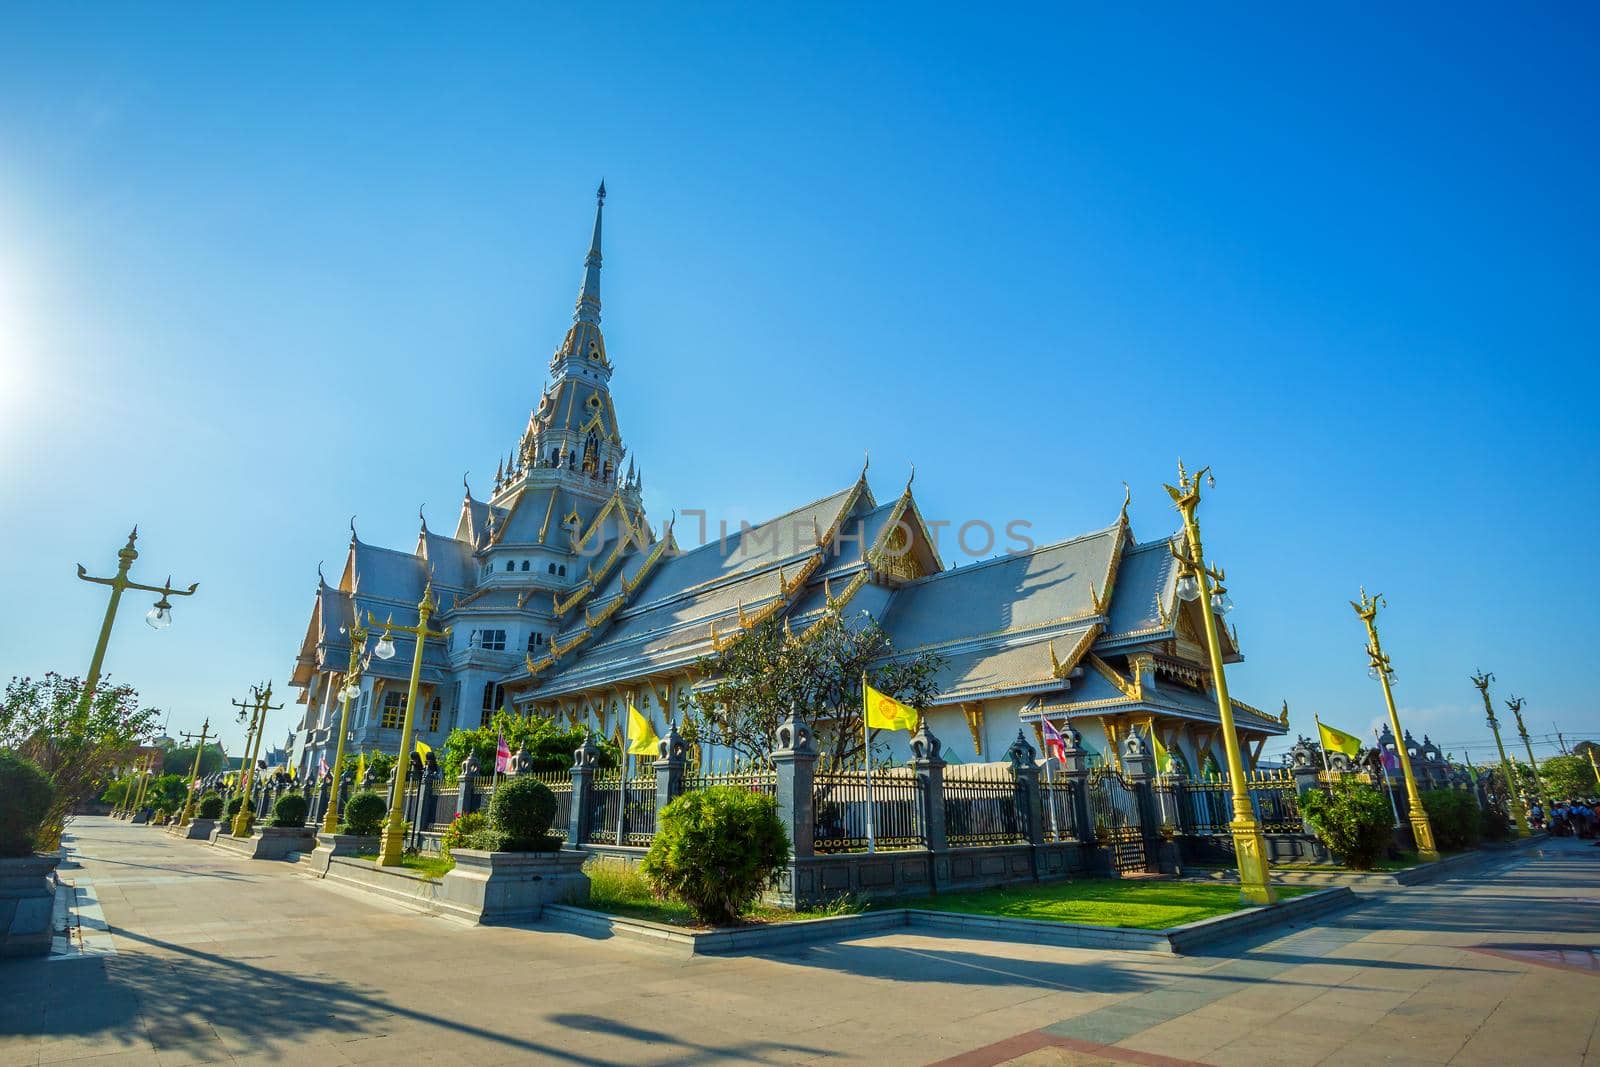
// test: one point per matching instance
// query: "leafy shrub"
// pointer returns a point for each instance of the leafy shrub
(364, 812)
(1354, 821)
(235, 802)
(211, 805)
(290, 810)
(1454, 817)
(461, 829)
(716, 849)
(548, 746)
(520, 812)
(1496, 824)
(28, 796)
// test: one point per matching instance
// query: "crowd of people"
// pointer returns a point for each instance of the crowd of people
(1566, 818)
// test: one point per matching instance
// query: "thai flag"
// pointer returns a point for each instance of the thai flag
(502, 755)
(1391, 760)
(322, 766)
(1054, 743)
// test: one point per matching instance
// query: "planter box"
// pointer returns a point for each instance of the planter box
(331, 845)
(27, 903)
(510, 887)
(270, 842)
(198, 829)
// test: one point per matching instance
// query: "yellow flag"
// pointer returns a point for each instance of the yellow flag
(291, 773)
(1158, 750)
(642, 739)
(423, 750)
(361, 767)
(1338, 741)
(884, 712)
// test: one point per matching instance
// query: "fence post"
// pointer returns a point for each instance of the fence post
(584, 761)
(1305, 781)
(469, 772)
(795, 760)
(1138, 767)
(927, 763)
(1025, 770)
(669, 769)
(521, 762)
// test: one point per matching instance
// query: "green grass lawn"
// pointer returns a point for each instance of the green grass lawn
(433, 866)
(617, 889)
(1099, 902)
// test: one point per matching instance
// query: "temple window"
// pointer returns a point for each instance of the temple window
(433, 715)
(511, 564)
(535, 639)
(524, 564)
(492, 640)
(552, 568)
(561, 571)
(492, 696)
(394, 710)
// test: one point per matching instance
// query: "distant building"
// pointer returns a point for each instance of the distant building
(565, 603)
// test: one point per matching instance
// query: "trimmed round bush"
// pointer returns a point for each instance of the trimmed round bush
(27, 797)
(1354, 821)
(461, 830)
(363, 814)
(211, 806)
(520, 811)
(235, 802)
(716, 849)
(290, 810)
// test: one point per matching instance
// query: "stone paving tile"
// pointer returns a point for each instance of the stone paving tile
(334, 976)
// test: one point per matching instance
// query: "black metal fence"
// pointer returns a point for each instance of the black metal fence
(841, 807)
(605, 794)
(1058, 801)
(981, 807)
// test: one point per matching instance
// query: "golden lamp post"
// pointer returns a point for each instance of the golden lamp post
(159, 617)
(1519, 811)
(187, 814)
(144, 781)
(1194, 583)
(258, 725)
(1515, 705)
(352, 686)
(1379, 667)
(394, 830)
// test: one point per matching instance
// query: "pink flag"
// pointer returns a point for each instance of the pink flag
(1054, 743)
(322, 767)
(502, 756)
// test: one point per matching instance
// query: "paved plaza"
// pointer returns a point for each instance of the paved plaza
(209, 958)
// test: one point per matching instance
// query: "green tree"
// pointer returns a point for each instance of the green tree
(78, 751)
(716, 850)
(550, 746)
(181, 760)
(1353, 820)
(1569, 777)
(761, 676)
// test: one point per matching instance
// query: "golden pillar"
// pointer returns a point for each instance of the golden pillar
(1249, 844)
(1380, 667)
(1515, 704)
(392, 846)
(187, 813)
(1519, 810)
(358, 644)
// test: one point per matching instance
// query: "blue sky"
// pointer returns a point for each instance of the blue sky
(263, 269)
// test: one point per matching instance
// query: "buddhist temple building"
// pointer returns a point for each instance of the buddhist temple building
(566, 601)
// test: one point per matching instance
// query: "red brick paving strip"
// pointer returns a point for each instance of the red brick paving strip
(1561, 957)
(1034, 1040)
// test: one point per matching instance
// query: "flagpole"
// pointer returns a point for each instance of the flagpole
(866, 746)
(1327, 768)
(622, 782)
(1384, 767)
